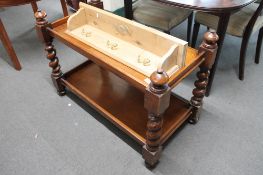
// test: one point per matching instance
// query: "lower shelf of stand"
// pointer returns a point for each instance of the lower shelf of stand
(121, 103)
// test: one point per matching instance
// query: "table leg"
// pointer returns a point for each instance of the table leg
(64, 7)
(34, 6)
(8, 46)
(221, 31)
(128, 9)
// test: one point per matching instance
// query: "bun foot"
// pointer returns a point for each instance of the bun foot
(149, 166)
(195, 116)
(61, 93)
(151, 158)
(193, 120)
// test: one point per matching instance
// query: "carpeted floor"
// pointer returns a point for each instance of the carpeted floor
(44, 134)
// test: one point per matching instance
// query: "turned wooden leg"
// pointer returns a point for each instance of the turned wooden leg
(56, 71)
(199, 93)
(8, 46)
(209, 49)
(156, 101)
(56, 75)
(152, 150)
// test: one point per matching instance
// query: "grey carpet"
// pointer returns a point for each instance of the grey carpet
(40, 133)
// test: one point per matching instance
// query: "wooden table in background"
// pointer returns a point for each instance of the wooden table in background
(222, 8)
(3, 34)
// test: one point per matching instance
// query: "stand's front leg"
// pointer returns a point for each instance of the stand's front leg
(156, 101)
(152, 149)
(41, 27)
(209, 47)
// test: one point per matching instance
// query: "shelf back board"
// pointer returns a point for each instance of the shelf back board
(58, 30)
(133, 41)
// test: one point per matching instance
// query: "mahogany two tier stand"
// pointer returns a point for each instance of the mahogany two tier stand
(149, 113)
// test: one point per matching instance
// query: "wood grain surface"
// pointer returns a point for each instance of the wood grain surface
(208, 5)
(120, 102)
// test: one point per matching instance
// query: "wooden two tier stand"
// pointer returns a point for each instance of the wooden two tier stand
(149, 113)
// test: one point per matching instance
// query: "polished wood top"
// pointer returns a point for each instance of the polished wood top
(216, 6)
(5, 3)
